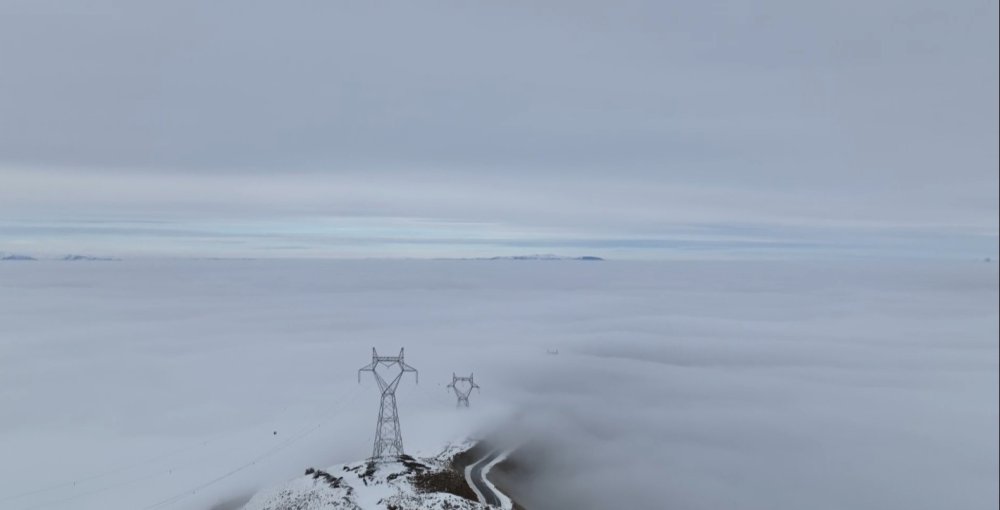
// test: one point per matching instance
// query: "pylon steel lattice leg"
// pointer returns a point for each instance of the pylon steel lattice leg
(388, 436)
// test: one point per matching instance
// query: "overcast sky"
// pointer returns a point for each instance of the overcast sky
(624, 129)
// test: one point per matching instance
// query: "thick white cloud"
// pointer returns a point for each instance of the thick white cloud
(755, 385)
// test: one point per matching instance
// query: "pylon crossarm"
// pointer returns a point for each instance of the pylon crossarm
(462, 391)
(366, 368)
(408, 368)
(378, 377)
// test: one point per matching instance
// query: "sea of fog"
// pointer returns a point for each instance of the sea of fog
(678, 385)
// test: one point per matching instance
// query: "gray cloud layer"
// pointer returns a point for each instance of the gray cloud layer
(568, 115)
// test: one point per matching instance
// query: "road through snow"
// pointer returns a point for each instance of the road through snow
(475, 475)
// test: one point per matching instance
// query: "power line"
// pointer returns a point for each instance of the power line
(110, 472)
(347, 395)
(82, 495)
(285, 444)
(126, 467)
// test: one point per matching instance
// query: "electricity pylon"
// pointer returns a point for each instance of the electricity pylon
(463, 394)
(388, 439)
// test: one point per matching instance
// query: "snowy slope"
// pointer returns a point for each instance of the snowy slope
(406, 484)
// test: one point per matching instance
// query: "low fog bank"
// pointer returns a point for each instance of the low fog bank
(682, 385)
(782, 387)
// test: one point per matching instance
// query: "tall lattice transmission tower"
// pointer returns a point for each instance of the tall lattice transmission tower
(463, 390)
(388, 439)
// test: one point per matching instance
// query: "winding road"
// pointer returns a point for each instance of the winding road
(475, 475)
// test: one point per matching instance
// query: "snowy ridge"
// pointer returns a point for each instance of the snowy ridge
(406, 484)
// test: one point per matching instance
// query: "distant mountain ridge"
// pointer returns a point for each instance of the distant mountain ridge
(73, 257)
(15, 256)
(546, 256)
(4, 256)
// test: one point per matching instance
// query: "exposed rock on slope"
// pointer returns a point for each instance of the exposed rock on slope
(406, 484)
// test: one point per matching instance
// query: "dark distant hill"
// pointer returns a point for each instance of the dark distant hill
(543, 257)
(74, 258)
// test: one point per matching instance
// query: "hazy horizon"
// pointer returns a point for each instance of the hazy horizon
(633, 130)
(798, 204)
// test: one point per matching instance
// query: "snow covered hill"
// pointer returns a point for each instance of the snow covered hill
(408, 484)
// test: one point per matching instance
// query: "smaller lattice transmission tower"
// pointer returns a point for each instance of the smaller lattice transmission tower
(463, 386)
(388, 437)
